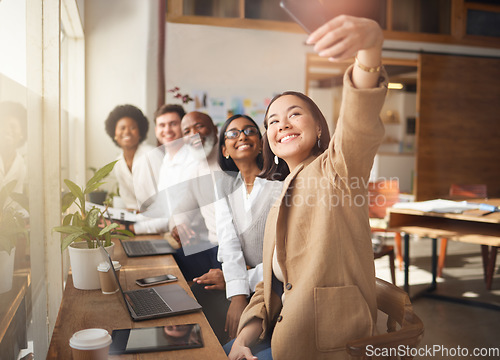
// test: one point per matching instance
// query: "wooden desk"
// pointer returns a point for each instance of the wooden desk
(465, 227)
(82, 309)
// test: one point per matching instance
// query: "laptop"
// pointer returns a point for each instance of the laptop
(155, 302)
(135, 248)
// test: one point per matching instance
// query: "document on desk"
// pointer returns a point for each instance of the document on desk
(438, 205)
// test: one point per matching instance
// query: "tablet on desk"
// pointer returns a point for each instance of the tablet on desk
(162, 338)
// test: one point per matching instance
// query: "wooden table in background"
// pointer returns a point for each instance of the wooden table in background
(466, 227)
(83, 309)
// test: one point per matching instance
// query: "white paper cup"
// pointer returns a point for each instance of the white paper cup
(108, 281)
(90, 344)
(118, 203)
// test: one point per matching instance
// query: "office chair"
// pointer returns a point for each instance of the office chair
(394, 302)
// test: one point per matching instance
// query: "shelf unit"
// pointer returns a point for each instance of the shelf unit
(459, 22)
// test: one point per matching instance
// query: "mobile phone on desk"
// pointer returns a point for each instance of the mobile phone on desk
(154, 280)
(311, 14)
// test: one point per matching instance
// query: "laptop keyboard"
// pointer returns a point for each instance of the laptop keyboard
(140, 247)
(147, 302)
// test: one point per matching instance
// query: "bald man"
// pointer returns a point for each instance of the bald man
(195, 214)
(200, 134)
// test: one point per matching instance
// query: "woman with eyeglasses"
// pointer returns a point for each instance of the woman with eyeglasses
(318, 291)
(240, 218)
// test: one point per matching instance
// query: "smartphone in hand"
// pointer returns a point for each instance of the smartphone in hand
(311, 14)
(154, 280)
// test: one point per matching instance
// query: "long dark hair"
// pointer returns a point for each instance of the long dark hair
(228, 165)
(280, 171)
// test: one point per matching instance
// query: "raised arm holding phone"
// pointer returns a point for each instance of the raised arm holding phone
(319, 280)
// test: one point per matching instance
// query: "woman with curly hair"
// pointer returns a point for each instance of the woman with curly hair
(127, 126)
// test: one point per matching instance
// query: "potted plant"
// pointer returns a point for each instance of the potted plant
(12, 227)
(85, 230)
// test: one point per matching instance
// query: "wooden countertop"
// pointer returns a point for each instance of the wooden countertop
(82, 309)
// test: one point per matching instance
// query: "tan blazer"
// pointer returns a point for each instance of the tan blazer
(320, 229)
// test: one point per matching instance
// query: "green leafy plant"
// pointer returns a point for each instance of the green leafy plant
(88, 225)
(12, 223)
(98, 195)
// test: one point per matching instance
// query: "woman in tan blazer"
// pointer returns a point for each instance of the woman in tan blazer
(319, 280)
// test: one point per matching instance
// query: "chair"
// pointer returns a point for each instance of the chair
(383, 194)
(394, 302)
(460, 192)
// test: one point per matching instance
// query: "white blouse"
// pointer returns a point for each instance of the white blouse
(172, 176)
(125, 177)
(240, 230)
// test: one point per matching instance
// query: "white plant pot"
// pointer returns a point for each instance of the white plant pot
(7, 270)
(84, 263)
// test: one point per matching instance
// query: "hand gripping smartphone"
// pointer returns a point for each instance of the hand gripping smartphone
(154, 280)
(311, 14)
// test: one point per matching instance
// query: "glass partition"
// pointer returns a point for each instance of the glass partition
(30, 284)
(23, 303)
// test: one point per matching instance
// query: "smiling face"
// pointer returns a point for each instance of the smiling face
(127, 133)
(168, 127)
(292, 131)
(243, 147)
(195, 123)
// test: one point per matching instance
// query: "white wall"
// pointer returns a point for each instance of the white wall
(402, 104)
(389, 166)
(117, 62)
(13, 39)
(230, 63)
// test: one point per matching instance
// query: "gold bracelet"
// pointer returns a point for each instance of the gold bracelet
(366, 68)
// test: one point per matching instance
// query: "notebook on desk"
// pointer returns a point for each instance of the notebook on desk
(155, 302)
(135, 248)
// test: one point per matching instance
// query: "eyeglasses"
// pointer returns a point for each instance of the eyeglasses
(234, 133)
